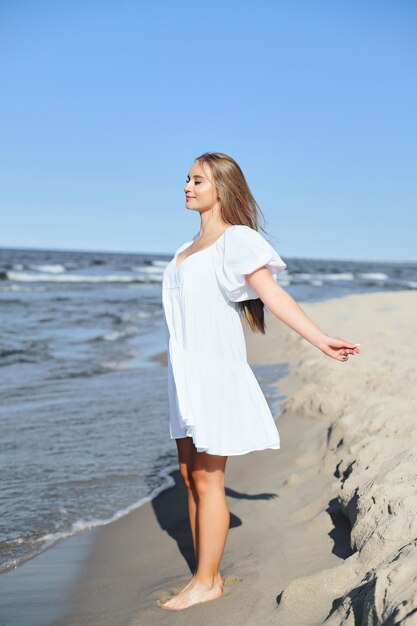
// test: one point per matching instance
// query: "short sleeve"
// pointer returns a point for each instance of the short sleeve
(242, 250)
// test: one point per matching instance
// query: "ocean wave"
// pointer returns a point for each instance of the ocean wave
(374, 276)
(11, 542)
(309, 277)
(14, 356)
(21, 288)
(51, 269)
(114, 317)
(338, 276)
(30, 352)
(130, 331)
(10, 352)
(148, 269)
(42, 543)
(144, 314)
(76, 278)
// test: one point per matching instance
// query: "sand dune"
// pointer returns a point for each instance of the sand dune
(371, 445)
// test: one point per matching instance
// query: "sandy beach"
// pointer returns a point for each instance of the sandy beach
(322, 531)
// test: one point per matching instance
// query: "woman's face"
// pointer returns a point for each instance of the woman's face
(199, 189)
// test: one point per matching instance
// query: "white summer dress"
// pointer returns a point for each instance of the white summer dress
(213, 394)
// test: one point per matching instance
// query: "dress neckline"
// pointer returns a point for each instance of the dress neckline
(177, 267)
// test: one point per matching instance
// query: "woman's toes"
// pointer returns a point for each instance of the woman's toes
(165, 605)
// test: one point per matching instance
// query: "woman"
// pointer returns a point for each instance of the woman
(217, 408)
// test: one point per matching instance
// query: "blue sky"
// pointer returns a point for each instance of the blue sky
(105, 105)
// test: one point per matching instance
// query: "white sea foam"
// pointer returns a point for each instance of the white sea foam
(341, 276)
(148, 269)
(322, 276)
(150, 273)
(21, 288)
(75, 278)
(51, 269)
(374, 276)
(144, 314)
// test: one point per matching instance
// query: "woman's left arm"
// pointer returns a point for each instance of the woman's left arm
(285, 308)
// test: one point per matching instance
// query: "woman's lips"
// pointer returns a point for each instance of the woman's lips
(189, 197)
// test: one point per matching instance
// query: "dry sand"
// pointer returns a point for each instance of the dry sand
(323, 531)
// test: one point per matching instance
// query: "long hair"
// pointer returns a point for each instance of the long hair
(237, 206)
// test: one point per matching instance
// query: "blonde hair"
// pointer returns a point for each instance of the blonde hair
(237, 206)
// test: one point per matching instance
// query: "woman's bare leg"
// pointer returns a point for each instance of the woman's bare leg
(185, 456)
(213, 519)
(186, 452)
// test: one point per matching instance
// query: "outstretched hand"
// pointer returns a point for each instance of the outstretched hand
(338, 348)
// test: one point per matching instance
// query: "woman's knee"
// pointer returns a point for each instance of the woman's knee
(205, 482)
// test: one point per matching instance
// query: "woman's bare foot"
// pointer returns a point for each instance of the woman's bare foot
(194, 593)
(221, 582)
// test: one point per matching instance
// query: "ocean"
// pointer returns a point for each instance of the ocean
(83, 394)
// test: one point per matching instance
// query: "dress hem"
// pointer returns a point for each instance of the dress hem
(271, 447)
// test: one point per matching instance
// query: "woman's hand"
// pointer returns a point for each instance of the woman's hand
(338, 348)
